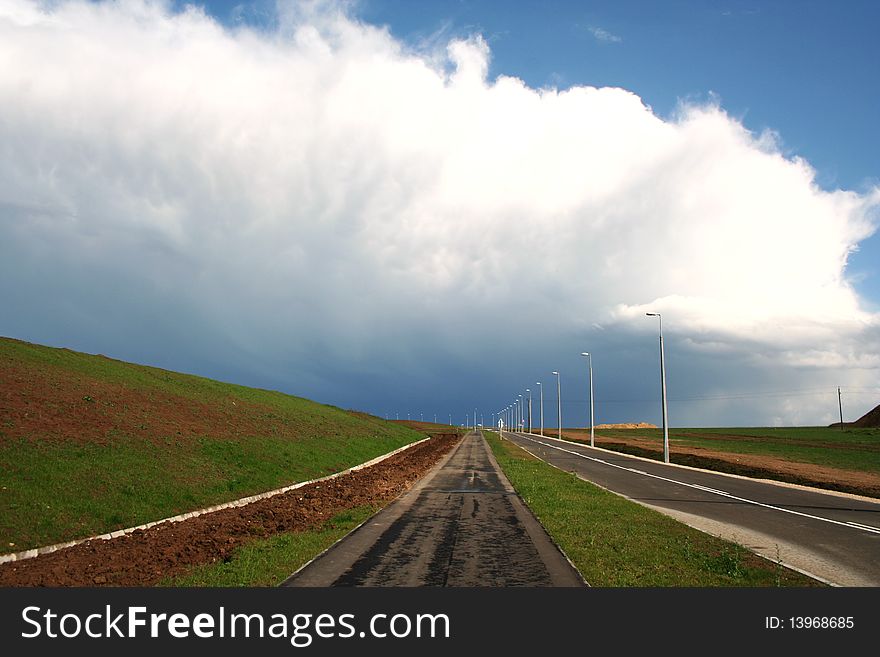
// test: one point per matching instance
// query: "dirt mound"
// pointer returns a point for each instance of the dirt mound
(870, 420)
(146, 556)
(627, 425)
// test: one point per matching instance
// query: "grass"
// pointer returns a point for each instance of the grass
(53, 493)
(55, 486)
(850, 449)
(268, 562)
(615, 542)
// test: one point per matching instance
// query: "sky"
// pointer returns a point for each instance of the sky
(423, 209)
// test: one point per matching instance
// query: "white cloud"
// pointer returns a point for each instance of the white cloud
(324, 189)
(603, 35)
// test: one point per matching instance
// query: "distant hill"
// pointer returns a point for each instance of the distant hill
(869, 420)
(89, 444)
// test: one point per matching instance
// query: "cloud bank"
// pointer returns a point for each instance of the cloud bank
(319, 203)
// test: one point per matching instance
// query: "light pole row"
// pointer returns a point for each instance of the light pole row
(514, 413)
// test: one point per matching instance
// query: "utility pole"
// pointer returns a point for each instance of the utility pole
(840, 406)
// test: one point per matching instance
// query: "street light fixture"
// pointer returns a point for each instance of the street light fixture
(542, 406)
(592, 434)
(663, 390)
(558, 403)
(520, 409)
(528, 390)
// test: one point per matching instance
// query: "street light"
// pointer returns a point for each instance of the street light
(663, 390)
(520, 408)
(592, 435)
(558, 402)
(542, 406)
(528, 390)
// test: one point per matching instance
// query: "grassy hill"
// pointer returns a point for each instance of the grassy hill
(89, 444)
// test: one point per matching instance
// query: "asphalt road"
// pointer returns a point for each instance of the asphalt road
(461, 525)
(834, 537)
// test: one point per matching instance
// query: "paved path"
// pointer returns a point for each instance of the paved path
(835, 537)
(461, 525)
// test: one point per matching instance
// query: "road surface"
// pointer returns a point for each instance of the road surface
(833, 537)
(461, 525)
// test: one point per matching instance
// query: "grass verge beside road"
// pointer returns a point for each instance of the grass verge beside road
(615, 542)
(850, 449)
(268, 562)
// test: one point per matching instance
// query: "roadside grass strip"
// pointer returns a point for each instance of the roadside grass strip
(614, 542)
(268, 562)
(851, 449)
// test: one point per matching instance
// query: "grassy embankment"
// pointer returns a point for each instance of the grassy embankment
(615, 542)
(89, 444)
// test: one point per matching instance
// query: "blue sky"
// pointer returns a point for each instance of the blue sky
(289, 196)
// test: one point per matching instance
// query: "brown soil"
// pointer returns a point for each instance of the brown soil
(429, 426)
(628, 425)
(869, 420)
(52, 404)
(748, 465)
(144, 557)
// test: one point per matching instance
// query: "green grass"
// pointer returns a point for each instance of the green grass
(53, 493)
(615, 542)
(850, 449)
(268, 562)
(55, 488)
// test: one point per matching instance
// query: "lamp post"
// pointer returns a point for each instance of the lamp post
(542, 406)
(592, 434)
(663, 390)
(528, 390)
(558, 403)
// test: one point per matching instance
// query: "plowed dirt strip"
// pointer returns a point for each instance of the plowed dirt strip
(146, 556)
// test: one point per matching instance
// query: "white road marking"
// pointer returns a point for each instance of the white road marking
(711, 490)
(851, 525)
